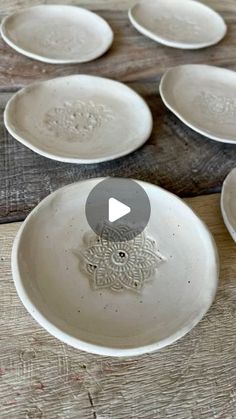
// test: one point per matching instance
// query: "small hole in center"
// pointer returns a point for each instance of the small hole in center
(122, 254)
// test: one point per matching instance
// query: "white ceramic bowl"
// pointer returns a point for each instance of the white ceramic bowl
(203, 97)
(56, 291)
(228, 203)
(57, 34)
(182, 24)
(79, 119)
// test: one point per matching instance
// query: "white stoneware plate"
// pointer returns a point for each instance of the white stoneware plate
(228, 203)
(57, 34)
(50, 278)
(183, 24)
(79, 119)
(204, 98)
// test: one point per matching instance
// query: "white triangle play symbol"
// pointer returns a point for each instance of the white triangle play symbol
(117, 210)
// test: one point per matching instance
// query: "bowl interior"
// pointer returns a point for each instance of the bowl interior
(79, 117)
(59, 295)
(58, 32)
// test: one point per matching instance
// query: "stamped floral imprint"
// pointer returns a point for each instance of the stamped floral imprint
(219, 108)
(120, 265)
(77, 120)
(175, 25)
(57, 36)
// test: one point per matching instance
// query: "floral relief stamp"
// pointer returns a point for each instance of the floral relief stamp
(120, 265)
(175, 25)
(59, 35)
(219, 108)
(78, 119)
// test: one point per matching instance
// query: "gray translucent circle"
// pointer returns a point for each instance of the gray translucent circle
(129, 193)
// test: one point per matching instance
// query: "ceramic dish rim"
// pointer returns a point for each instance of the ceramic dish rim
(99, 349)
(173, 44)
(223, 212)
(219, 139)
(76, 160)
(47, 60)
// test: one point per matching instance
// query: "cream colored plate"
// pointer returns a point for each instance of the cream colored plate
(49, 274)
(204, 98)
(57, 34)
(183, 24)
(228, 203)
(79, 119)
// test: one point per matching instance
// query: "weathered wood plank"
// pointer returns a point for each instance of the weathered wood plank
(132, 56)
(9, 6)
(175, 157)
(41, 377)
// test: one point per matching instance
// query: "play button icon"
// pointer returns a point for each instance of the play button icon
(120, 204)
(117, 210)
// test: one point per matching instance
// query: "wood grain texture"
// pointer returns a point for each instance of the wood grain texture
(132, 56)
(9, 6)
(40, 377)
(175, 157)
(195, 378)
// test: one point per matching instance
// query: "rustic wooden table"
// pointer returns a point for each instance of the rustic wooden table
(40, 377)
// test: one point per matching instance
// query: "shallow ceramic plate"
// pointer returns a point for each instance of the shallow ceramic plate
(178, 23)
(79, 119)
(57, 34)
(54, 276)
(228, 203)
(204, 98)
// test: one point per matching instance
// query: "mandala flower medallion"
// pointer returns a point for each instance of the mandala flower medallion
(120, 265)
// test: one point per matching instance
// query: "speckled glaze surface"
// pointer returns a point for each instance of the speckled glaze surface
(183, 24)
(228, 203)
(79, 119)
(81, 288)
(57, 34)
(203, 97)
